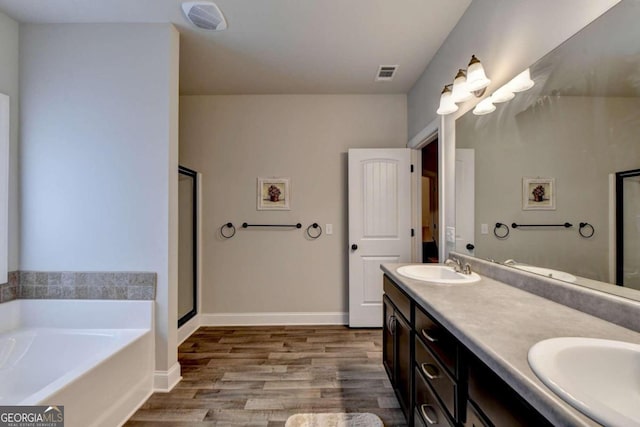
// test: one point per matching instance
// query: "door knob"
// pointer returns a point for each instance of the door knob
(470, 246)
(354, 247)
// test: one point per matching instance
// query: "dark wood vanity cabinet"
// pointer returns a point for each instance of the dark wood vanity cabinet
(396, 348)
(438, 381)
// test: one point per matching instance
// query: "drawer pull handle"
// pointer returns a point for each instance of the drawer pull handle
(428, 337)
(392, 324)
(431, 371)
(429, 414)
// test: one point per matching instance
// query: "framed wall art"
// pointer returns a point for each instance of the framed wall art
(274, 194)
(538, 194)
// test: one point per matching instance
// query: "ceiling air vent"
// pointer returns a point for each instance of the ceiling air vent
(386, 72)
(204, 15)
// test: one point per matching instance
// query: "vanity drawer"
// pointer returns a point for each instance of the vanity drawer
(399, 299)
(427, 404)
(439, 379)
(417, 418)
(438, 340)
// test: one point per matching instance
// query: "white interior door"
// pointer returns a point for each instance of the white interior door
(379, 226)
(465, 200)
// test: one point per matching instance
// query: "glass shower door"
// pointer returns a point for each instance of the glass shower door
(187, 244)
(628, 229)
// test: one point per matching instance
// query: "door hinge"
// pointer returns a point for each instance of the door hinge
(413, 232)
(411, 168)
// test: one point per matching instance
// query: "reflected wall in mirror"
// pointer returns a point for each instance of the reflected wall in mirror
(580, 125)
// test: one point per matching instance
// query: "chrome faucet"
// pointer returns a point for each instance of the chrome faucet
(466, 269)
(457, 266)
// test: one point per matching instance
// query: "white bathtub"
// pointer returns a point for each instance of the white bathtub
(93, 357)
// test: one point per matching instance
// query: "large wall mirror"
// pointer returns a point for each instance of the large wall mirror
(570, 134)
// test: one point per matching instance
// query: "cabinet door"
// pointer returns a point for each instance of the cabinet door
(388, 341)
(402, 332)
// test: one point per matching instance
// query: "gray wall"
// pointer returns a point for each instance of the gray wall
(233, 140)
(99, 155)
(578, 141)
(9, 84)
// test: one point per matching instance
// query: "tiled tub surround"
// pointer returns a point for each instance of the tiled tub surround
(10, 290)
(612, 308)
(499, 323)
(79, 285)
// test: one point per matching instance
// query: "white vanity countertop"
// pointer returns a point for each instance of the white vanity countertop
(499, 323)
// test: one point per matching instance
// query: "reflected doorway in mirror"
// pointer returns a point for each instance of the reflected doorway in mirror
(538, 194)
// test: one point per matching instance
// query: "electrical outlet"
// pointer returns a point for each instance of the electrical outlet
(329, 229)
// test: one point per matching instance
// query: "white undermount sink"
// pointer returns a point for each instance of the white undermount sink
(601, 378)
(436, 273)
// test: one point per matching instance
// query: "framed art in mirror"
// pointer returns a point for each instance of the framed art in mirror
(538, 194)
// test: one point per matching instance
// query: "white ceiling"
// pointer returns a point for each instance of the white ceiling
(281, 46)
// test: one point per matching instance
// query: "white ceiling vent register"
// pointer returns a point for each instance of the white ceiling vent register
(204, 15)
(386, 72)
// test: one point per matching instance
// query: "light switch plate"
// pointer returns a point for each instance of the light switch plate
(484, 228)
(329, 229)
(451, 234)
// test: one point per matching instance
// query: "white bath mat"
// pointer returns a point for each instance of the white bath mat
(334, 420)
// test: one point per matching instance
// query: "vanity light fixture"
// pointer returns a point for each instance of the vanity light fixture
(460, 93)
(484, 107)
(477, 80)
(447, 106)
(503, 94)
(467, 83)
(521, 82)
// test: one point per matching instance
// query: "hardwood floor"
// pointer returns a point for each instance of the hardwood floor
(259, 376)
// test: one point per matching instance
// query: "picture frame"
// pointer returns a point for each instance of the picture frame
(538, 194)
(274, 194)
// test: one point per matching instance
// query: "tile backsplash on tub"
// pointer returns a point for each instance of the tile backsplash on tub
(79, 285)
(10, 290)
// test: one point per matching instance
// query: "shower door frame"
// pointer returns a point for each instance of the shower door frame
(620, 176)
(182, 170)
